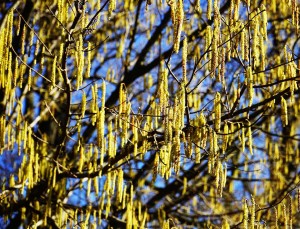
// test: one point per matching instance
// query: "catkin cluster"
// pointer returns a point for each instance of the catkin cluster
(177, 15)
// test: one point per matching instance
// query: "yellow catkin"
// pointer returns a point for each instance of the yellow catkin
(285, 218)
(120, 186)
(290, 211)
(255, 51)
(249, 83)
(29, 79)
(236, 10)
(215, 60)
(252, 220)
(24, 134)
(10, 28)
(184, 185)
(122, 100)
(31, 36)
(218, 177)
(208, 40)
(94, 103)
(43, 57)
(18, 25)
(172, 5)
(250, 142)
(246, 46)
(284, 112)
(264, 22)
(60, 6)
(53, 73)
(211, 151)
(221, 75)
(103, 95)
(23, 40)
(83, 104)
(242, 43)
(111, 7)
(178, 25)
(16, 72)
(225, 137)
(224, 175)
(22, 72)
(243, 142)
(100, 127)
(181, 107)
(184, 57)
(61, 52)
(88, 61)
(111, 142)
(54, 177)
(80, 61)
(209, 9)
(214, 55)
(225, 224)
(245, 214)
(263, 54)
(2, 131)
(81, 158)
(135, 138)
(217, 110)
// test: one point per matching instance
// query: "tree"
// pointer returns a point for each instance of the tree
(149, 114)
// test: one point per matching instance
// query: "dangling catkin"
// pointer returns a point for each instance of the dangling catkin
(178, 25)
(250, 143)
(184, 58)
(245, 215)
(217, 110)
(83, 104)
(249, 83)
(209, 9)
(284, 113)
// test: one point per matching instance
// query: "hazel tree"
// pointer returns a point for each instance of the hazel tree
(149, 114)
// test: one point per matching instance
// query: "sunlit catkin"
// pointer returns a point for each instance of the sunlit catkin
(284, 112)
(243, 141)
(184, 186)
(208, 40)
(264, 22)
(209, 9)
(88, 61)
(250, 141)
(225, 137)
(249, 83)
(53, 74)
(262, 53)
(120, 186)
(217, 110)
(16, 72)
(111, 7)
(172, 5)
(135, 137)
(184, 58)
(2, 131)
(81, 158)
(122, 99)
(255, 37)
(178, 25)
(214, 54)
(23, 37)
(80, 61)
(252, 220)
(83, 104)
(242, 43)
(103, 95)
(245, 214)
